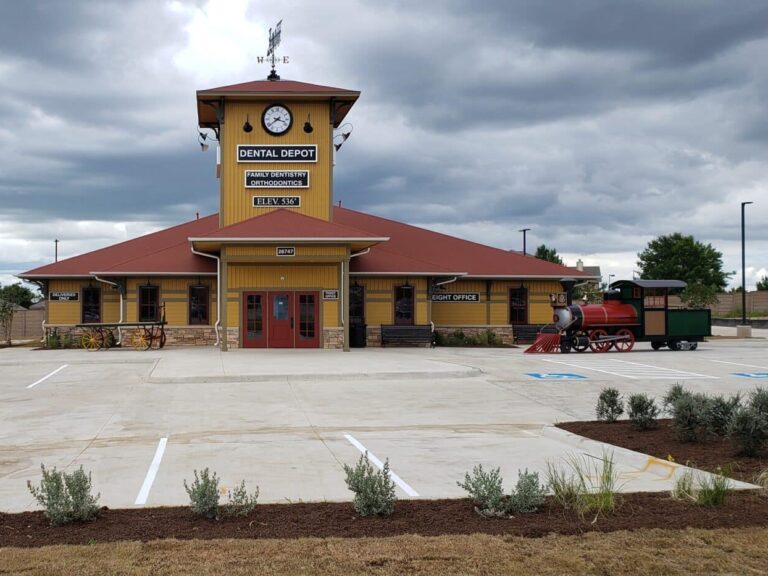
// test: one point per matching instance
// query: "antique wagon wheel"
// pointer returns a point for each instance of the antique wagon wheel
(92, 339)
(596, 346)
(109, 338)
(627, 343)
(140, 340)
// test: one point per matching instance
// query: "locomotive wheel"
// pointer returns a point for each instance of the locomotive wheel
(599, 346)
(693, 346)
(657, 345)
(580, 342)
(674, 345)
(627, 344)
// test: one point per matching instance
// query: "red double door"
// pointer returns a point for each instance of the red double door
(281, 320)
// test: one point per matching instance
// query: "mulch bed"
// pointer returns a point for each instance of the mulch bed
(661, 442)
(423, 517)
(431, 517)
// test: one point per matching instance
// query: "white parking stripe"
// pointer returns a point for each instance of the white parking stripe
(44, 378)
(627, 369)
(740, 364)
(380, 465)
(141, 499)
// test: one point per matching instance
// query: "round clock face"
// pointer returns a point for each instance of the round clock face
(277, 119)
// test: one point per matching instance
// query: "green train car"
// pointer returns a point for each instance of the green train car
(632, 311)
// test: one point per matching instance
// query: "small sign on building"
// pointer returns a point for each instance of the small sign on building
(457, 297)
(64, 296)
(276, 153)
(330, 294)
(286, 251)
(276, 201)
(277, 179)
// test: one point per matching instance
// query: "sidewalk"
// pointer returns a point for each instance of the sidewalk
(730, 331)
(211, 365)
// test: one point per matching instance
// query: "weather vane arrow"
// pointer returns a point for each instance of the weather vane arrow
(274, 42)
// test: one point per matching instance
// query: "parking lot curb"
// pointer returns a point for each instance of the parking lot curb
(312, 377)
(631, 458)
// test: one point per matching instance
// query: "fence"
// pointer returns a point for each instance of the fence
(27, 324)
(729, 303)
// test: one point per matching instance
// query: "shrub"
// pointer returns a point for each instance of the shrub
(65, 497)
(374, 489)
(705, 490)
(565, 487)
(240, 502)
(642, 411)
(528, 494)
(609, 405)
(684, 488)
(672, 395)
(758, 399)
(713, 489)
(204, 495)
(718, 413)
(485, 489)
(748, 429)
(589, 487)
(53, 341)
(689, 416)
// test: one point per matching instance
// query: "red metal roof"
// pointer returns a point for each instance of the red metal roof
(445, 251)
(283, 224)
(167, 250)
(276, 86)
(408, 250)
(207, 100)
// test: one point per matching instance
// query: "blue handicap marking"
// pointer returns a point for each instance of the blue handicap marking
(751, 374)
(556, 376)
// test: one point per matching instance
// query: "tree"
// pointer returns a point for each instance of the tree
(6, 319)
(18, 294)
(699, 296)
(762, 284)
(548, 254)
(678, 257)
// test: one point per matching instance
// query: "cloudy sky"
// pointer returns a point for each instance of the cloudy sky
(599, 124)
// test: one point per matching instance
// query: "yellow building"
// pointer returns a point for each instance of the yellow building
(280, 265)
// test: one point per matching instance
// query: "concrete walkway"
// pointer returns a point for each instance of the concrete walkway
(239, 365)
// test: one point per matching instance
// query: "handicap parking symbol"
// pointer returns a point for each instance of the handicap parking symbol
(751, 374)
(556, 376)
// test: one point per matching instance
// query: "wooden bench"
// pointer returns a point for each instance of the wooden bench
(393, 334)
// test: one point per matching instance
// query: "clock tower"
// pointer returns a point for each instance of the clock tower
(275, 145)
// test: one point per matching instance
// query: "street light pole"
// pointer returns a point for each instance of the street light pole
(609, 280)
(743, 271)
(524, 230)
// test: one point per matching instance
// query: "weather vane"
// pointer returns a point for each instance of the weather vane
(274, 42)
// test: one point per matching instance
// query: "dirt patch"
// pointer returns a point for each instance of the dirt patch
(421, 517)
(661, 442)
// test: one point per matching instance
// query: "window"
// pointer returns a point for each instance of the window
(254, 316)
(149, 297)
(356, 305)
(91, 305)
(404, 305)
(198, 304)
(307, 324)
(518, 306)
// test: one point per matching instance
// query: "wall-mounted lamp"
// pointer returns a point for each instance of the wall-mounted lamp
(308, 126)
(203, 141)
(247, 126)
(341, 137)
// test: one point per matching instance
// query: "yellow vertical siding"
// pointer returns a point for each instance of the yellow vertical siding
(65, 312)
(236, 199)
(174, 293)
(286, 277)
(379, 298)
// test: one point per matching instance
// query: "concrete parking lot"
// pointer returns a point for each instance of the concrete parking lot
(287, 421)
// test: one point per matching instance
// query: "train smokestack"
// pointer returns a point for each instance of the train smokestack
(568, 284)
